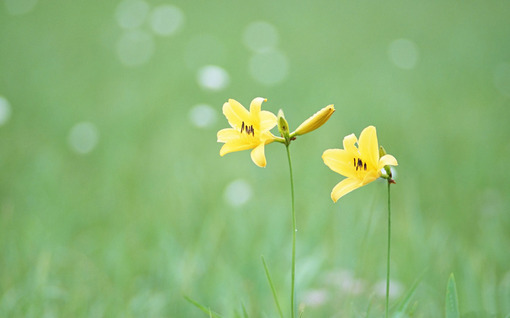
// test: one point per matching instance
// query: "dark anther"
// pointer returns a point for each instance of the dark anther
(250, 130)
(354, 159)
(365, 166)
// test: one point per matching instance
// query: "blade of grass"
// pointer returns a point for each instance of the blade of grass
(369, 307)
(452, 302)
(245, 313)
(273, 290)
(402, 305)
(206, 310)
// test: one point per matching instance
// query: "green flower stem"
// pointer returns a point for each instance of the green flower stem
(280, 140)
(389, 245)
(293, 273)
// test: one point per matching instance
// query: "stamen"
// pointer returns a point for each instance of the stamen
(359, 164)
(250, 130)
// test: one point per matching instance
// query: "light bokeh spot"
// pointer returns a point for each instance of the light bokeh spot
(315, 297)
(396, 289)
(502, 78)
(83, 137)
(5, 110)
(269, 68)
(166, 19)
(345, 281)
(135, 48)
(213, 77)
(131, 14)
(238, 192)
(202, 116)
(260, 36)
(403, 53)
(19, 7)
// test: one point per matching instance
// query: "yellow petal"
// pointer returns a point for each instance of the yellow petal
(340, 161)
(235, 113)
(316, 120)
(267, 120)
(349, 142)
(236, 145)
(369, 148)
(255, 107)
(371, 176)
(227, 134)
(344, 187)
(267, 137)
(387, 160)
(258, 156)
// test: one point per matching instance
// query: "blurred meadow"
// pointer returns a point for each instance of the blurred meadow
(114, 201)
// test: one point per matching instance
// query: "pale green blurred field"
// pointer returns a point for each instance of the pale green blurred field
(142, 217)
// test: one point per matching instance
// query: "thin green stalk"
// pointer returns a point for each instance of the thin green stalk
(389, 245)
(293, 272)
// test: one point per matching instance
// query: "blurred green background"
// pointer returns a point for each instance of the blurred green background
(114, 200)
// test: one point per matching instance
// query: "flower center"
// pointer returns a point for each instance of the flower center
(249, 130)
(359, 164)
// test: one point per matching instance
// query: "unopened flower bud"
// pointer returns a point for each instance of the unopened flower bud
(283, 126)
(382, 151)
(315, 121)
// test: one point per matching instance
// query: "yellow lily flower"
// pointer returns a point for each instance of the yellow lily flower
(360, 165)
(250, 129)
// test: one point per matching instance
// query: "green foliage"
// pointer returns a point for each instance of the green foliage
(273, 290)
(405, 306)
(452, 302)
(206, 310)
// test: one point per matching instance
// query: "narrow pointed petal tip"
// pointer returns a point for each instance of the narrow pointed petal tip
(349, 143)
(345, 186)
(232, 146)
(256, 104)
(258, 156)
